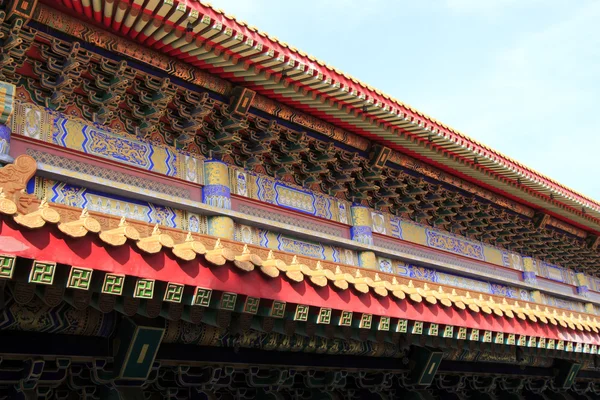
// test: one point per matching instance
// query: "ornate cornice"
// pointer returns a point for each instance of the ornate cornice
(192, 31)
(151, 239)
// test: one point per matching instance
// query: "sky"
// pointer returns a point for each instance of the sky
(522, 76)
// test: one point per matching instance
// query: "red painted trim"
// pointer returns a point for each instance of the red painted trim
(49, 244)
(78, 6)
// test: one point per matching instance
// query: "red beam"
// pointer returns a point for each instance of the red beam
(49, 244)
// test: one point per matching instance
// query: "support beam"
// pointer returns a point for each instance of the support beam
(425, 363)
(136, 346)
(566, 373)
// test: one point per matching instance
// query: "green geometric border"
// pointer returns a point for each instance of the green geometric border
(174, 292)
(7, 266)
(42, 273)
(228, 301)
(345, 318)
(113, 284)
(366, 321)
(324, 316)
(384, 323)
(251, 305)
(301, 313)
(144, 289)
(277, 309)
(80, 278)
(202, 297)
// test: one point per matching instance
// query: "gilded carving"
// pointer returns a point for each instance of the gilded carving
(247, 260)
(13, 181)
(7, 206)
(119, 235)
(81, 226)
(155, 242)
(361, 283)
(219, 255)
(396, 290)
(341, 279)
(319, 276)
(271, 266)
(411, 291)
(294, 270)
(189, 248)
(379, 286)
(39, 217)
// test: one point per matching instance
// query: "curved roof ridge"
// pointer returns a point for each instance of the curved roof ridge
(395, 101)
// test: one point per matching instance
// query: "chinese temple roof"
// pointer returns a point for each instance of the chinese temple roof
(206, 37)
(377, 99)
(170, 255)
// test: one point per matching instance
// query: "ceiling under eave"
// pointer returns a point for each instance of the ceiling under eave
(208, 39)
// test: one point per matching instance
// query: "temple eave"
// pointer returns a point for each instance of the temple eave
(190, 208)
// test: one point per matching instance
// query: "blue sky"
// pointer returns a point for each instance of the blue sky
(522, 76)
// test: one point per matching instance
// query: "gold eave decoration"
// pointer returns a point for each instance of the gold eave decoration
(550, 316)
(80, 227)
(189, 248)
(320, 276)
(540, 315)
(428, 294)
(119, 235)
(155, 242)
(495, 307)
(457, 300)
(518, 310)
(442, 297)
(530, 313)
(575, 322)
(39, 217)
(219, 255)
(507, 309)
(396, 289)
(379, 286)
(361, 284)
(483, 305)
(247, 260)
(7, 206)
(584, 323)
(468, 300)
(411, 291)
(272, 266)
(20, 206)
(341, 279)
(294, 271)
(560, 319)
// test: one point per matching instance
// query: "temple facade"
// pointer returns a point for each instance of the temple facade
(192, 209)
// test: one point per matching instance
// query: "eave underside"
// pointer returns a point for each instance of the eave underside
(225, 48)
(570, 243)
